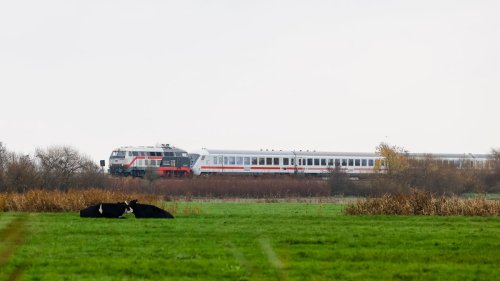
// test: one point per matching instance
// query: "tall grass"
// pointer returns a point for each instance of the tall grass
(423, 203)
(65, 201)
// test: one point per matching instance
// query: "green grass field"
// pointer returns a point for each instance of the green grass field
(249, 241)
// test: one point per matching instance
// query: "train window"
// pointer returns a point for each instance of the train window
(246, 161)
(262, 161)
(141, 153)
(316, 162)
(309, 162)
(202, 157)
(357, 162)
(276, 161)
(269, 161)
(363, 162)
(300, 162)
(225, 160)
(239, 160)
(168, 154)
(135, 153)
(351, 162)
(292, 162)
(215, 160)
(158, 153)
(153, 162)
(146, 162)
(254, 160)
(231, 160)
(220, 160)
(285, 161)
(330, 162)
(139, 162)
(323, 162)
(370, 162)
(344, 162)
(337, 162)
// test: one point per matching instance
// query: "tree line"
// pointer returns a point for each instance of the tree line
(64, 168)
(56, 167)
(403, 173)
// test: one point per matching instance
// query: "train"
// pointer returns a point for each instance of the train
(136, 161)
(169, 161)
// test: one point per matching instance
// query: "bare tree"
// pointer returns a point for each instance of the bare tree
(495, 159)
(60, 166)
(20, 173)
(3, 162)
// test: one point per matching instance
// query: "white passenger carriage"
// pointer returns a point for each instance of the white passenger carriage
(281, 162)
(210, 161)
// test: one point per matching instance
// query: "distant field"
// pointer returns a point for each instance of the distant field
(249, 241)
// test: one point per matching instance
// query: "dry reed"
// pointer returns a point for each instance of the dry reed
(66, 201)
(423, 203)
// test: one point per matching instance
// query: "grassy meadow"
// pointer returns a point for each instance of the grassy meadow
(249, 241)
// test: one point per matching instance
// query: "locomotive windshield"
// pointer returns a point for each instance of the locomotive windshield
(118, 154)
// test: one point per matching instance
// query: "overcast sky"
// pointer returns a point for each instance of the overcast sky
(325, 75)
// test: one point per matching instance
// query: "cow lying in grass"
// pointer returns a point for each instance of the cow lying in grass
(148, 211)
(106, 210)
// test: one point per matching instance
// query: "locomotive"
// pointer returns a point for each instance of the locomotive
(165, 160)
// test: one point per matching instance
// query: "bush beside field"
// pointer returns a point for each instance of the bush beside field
(424, 203)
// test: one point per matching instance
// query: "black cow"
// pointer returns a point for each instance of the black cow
(148, 211)
(106, 210)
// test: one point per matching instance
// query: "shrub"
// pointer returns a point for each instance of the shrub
(423, 203)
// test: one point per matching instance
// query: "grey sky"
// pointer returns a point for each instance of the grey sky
(325, 75)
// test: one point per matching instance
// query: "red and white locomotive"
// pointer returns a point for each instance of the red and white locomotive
(134, 161)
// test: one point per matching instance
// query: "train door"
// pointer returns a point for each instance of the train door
(221, 164)
(246, 164)
(300, 164)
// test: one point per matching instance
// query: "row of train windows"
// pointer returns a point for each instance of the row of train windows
(151, 163)
(153, 153)
(276, 161)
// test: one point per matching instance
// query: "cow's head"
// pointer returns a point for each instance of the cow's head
(126, 205)
(132, 205)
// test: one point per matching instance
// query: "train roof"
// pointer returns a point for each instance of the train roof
(289, 153)
(248, 152)
(341, 154)
(450, 155)
(150, 148)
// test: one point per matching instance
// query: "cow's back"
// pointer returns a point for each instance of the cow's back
(150, 211)
(112, 210)
(91, 212)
